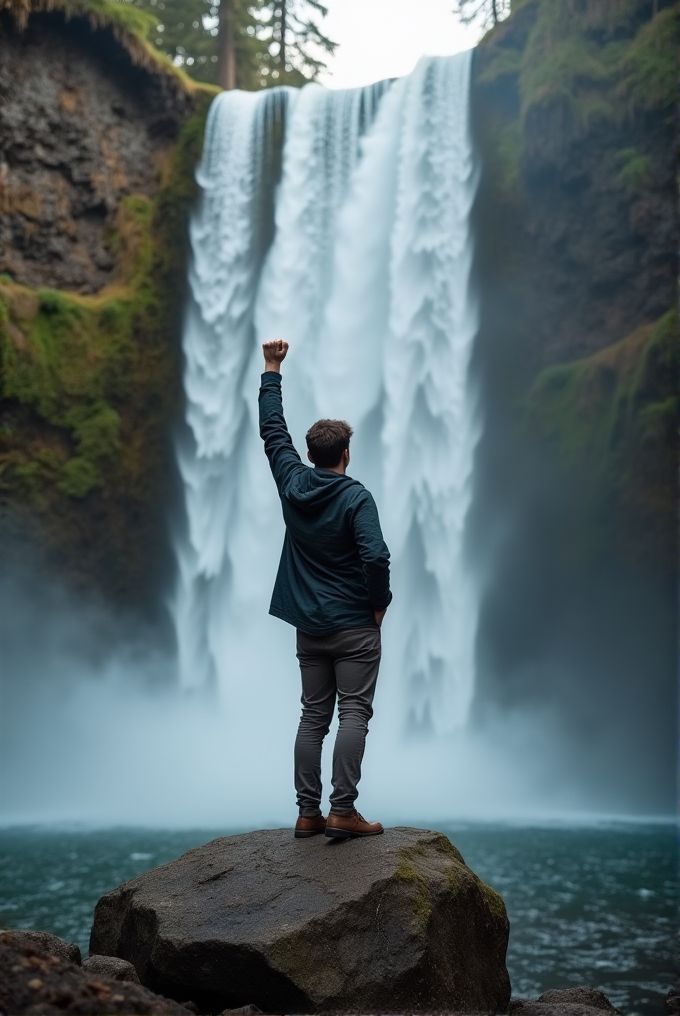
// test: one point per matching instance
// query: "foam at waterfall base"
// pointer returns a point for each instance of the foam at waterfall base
(96, 748)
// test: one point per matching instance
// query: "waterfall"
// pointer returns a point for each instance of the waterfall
(365, 269)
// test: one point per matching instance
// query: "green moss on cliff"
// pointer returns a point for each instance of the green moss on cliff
(636, 170)
(612, 421)
(70, 367)
(91, 383)
(649, 66)
(581, 63)
(600, 61)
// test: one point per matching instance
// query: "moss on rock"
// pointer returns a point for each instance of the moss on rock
(612, 420)
(90, 385)
(407, 871)
(582, 63)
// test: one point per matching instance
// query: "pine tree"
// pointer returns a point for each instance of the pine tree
(249, 44)
(226, 54)
(188, 30)
(486, 12)
(293, 46)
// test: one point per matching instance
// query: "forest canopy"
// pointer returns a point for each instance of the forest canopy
(275, 42)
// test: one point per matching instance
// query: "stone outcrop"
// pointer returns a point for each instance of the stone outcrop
(590, 997)
(579, 1001)
(80, 129)
(99, 138)
(68, 952)
(36, 978)
(389, 923)
(111, 966)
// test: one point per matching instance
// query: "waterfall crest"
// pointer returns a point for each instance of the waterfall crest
(367, 275)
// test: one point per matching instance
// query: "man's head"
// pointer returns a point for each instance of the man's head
(328, 443)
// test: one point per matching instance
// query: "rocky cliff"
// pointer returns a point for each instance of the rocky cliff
(576, 492)
(575, 119)
(98, 141)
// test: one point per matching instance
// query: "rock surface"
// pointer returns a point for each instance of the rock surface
(35, 980)
(577, 996)
(80, 129)
(111, 966)
(579, 1001)
(395, 922)
(68, 952)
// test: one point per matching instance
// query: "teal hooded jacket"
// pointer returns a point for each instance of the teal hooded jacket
(334, 570)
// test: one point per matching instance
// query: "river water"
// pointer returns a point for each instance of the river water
(593, 905)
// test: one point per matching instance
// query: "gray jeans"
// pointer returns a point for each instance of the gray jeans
(344, 665)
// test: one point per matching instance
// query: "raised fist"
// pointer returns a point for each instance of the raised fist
(274, 352)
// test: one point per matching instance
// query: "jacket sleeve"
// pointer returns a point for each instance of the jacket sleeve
(278, 446)
(375, 556)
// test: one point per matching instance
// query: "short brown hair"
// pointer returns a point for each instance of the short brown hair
(327, 440)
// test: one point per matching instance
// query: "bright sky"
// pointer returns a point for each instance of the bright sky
(385, 38)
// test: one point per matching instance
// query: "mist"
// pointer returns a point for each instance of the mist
(95, 731)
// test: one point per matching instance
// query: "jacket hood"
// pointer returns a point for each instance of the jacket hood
(313, 489)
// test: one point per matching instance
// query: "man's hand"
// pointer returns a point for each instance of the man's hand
(274, 353)
(379, 615)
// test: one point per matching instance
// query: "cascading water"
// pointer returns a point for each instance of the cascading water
(367, 275)
(339, 221)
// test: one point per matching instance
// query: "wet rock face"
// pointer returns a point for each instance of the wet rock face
(392, 923)
(80, 128)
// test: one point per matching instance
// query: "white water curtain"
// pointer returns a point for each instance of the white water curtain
(368, 278)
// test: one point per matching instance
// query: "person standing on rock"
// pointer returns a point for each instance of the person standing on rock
(333, 585)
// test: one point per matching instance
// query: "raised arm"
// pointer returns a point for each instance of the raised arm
(278, 446)
(375, 556)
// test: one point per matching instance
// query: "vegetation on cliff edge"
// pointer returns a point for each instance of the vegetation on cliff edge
(130, 25)
(90, 385)
(580, 64)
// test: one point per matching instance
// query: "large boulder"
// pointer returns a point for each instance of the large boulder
(395, 922)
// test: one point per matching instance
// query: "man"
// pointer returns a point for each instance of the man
(333, 585)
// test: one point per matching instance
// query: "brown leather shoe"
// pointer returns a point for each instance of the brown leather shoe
(343, 826)
(305, 827)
